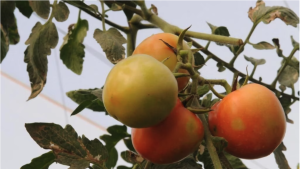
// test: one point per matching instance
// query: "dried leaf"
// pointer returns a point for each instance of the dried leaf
(282, 88)
(42, 39)
(24, 8)
(277, 46)
(68, 148)
(154, 9)
(61, 11)
(280, 157)
(72, 49)
(127, 12)
(111, 42)
(41, 162)
(255, 61)
(268, 14)
(82, 95)
(263, 45)
(42, 8)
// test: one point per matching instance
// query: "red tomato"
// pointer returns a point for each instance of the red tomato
(251, 119)
(172, 139)
(154, 47)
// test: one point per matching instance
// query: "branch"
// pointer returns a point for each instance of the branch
(121, 28)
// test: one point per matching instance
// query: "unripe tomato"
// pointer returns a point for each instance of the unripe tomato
(140, 91)
(154, 47)
(251, 119)
(171, 140)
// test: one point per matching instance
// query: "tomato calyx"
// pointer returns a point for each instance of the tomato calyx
(171, 47)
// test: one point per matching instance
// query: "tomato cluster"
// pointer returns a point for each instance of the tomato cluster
(141, 92)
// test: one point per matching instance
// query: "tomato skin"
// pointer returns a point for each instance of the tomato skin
(153, 46)
(140, 91)
(172, 139)
(251, 119)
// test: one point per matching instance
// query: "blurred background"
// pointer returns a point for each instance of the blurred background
(52, 105)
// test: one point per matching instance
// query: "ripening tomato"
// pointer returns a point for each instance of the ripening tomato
(171, 140)
(140, 91)
(251, 119)
(154, 47)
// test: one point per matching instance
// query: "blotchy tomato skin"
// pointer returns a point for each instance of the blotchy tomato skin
(154, 47)
(140, 91)
(251, 119)
(172, 139)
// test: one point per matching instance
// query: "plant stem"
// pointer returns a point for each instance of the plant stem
(207, 45)
(242, 47)
(210, 146)
(103, 14)
(224, 161)
(273, 85)
(252, 73)
(221, 82)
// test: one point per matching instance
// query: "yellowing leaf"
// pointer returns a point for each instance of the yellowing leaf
(41, 40)
(111, 42)
(268, 14)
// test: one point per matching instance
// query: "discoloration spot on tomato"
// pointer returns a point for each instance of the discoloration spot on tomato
(237, 124)
(190, 126)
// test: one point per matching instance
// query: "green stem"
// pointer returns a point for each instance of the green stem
(224, 161)
(207, 45)
(220, 96)
(293, 89)
(221, 82)
(103, 14)
(252, 73)
(273, 85)
(209, 144)
(242, 47)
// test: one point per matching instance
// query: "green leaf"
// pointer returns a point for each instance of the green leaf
(255, 61)
(13, 33)
(117, 133)
(72, 49)
(294, 43)
(82, 106)
(116, 7)
(127, 12)
(280, 157)
(286, 103)
(202, 90)
(235, 162)
(263, 45)
(81, 95)
(41, 40)
(41, 162)
(69, 149)
(234, 49)
(82, 5)
(277, 46)
(42, 8)
(199, 59)
(206, 101)
(222, 30)
(4, 44)
(268, 14)
(131, 157)
(128, 143)
(60, 11)
(113, 158)
(111, 42)
(221, 67)
(24, 8)
(95, 7)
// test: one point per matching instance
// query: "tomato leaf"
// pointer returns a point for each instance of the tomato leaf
(128, 143)
(267, 14)
(116, 7)
(221, 30)
(72, 49)
(277, 46)
(290, 75)
(82, 106)
(131, 157)
(206, 101)
(235, 162)
(294, 43)
(42, 8)
(41, 40)
(68, 148)
(221, 67)
(111, 42)
(255, 61)
(61, 11)
(202, 90)
(24, 8)
(280, 157)
(41, 162)
(127, 12)
(81, 95)
(220, 143)
(4, 44)
(286, 103)
(263, 45)
(199, 59)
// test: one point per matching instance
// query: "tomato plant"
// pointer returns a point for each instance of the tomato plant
(251, 119)
(139, 91)
(154, 46)
(172, 139)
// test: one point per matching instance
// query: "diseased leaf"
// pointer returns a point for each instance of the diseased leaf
(154, 9)
(277, 46)
(4, 44)
(72, 49)
(24, 8)
(127, 12)
(95, 7)
(294, 43)
(81, 95)
(282, 88)
(131, 157)
(68, 148)
(42, 8)
(268, 14)
(61, 11)
(81, 4)
(41, 162)
(289, 76)
(280, 157)
(221, 67)
(263, 45)
(255, 61)
(41, 40)
(111, 42)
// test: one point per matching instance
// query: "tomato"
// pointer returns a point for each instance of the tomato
(140, 91)
(171, 140)
(251, 119)
(153, 46)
